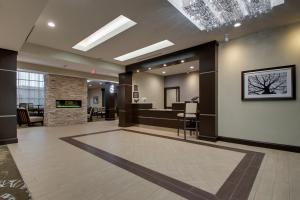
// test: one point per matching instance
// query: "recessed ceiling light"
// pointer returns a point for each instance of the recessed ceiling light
(90, 85)
(108, 31)
(149, 49)
(192, 67)
(163, 72)
(237, 24)
(165, 65)
(182, 61)
(149, 68)
(88, 81)
(51, 24)
(137, 71)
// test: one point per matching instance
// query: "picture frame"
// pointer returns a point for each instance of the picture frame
(95, 99)
(135, 95)
(135, 88)
(276, 83)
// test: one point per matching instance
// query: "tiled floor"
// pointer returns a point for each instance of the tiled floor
(54, 169)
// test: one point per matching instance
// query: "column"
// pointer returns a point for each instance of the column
(125, 99)
(8, 119)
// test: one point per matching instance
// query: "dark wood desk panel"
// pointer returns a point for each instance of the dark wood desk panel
(168, 118)
(156, 117)
(141, 105)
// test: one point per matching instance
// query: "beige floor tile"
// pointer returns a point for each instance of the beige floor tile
(53, 169)
(180, 160)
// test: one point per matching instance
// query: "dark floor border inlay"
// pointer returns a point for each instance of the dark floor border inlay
(237, 186)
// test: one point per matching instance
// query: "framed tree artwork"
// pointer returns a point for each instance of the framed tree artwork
(277, 83)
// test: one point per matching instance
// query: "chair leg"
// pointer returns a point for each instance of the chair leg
(184, 127)
(178, 126)
(197, 129)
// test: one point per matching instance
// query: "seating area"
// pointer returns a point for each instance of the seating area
(95, 113)
(23, 118)
(33, 110)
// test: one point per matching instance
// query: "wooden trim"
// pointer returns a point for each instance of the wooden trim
(6, 70)
(5, 116)
(281, 147)
(8, 141)
(294, 89)
(189, 54)
(177, 95)
(207, 138)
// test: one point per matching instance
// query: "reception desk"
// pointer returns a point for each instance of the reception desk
(144, 113)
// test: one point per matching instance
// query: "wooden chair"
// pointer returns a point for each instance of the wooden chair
(23, 117)
(189, 116)
(23, 105)
(90, 114)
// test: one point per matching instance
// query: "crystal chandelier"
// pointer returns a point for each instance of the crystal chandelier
(210, 14)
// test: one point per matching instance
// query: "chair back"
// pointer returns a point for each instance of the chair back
(89, 110)
(23, 116)
(30, 106)
(191, 108)
(23, 105)
(91, 113)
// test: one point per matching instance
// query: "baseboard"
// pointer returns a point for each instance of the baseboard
(8, 141)
(282, 147)
(207, 138)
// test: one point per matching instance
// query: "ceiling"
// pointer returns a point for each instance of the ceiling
(176, 69)
(157, 20)
(45, 56)
(95, 84)
(16, 21)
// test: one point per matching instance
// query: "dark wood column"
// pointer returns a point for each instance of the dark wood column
(125, 99)
(208, 65)
(8, 120)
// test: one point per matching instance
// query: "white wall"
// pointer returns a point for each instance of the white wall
(92, 93)
(150, 86)
(268, 121)
(188, 83)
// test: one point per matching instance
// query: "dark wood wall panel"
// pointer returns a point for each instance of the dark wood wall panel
(8, 59)
(207, 128)
(208, 65)
(8, 119)
(208, 57)
(159, 122)
(8, 93)
(8, 130)
(207, 93)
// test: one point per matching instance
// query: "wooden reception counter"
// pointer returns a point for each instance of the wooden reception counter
(144, 113)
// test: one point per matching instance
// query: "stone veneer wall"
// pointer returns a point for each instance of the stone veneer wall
(59, 87)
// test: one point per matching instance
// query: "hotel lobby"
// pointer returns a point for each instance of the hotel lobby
(150, 100)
